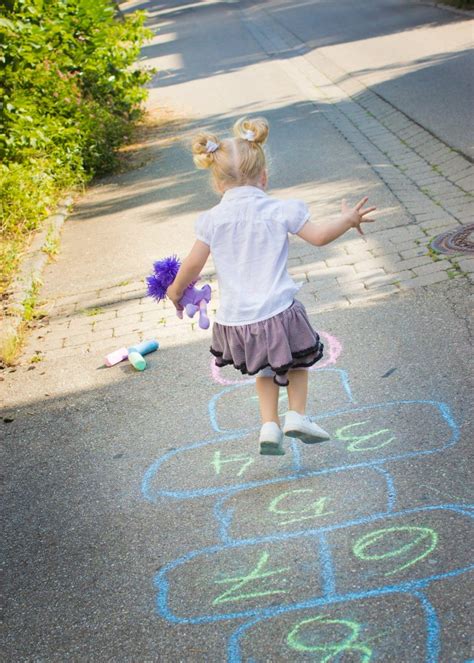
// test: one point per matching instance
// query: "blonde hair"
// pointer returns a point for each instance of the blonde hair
(233, 161)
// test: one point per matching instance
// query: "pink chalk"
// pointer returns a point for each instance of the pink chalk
(116, 357)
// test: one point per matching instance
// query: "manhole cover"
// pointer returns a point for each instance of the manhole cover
(455, 241)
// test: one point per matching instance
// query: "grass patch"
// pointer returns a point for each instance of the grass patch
(10, 346)
(433, 254)
(12, 338)
(51, 244)
(29, 303)
(10, 252)
(93, 311)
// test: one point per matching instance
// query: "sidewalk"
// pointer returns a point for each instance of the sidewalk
(141, 522)
(420, 186)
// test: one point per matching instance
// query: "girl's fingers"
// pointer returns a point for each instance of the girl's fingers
(359, 230)
(361, 203)
(368, 220)
(367, 211)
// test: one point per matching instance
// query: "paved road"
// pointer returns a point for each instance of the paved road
(141, 524)
(418, 57)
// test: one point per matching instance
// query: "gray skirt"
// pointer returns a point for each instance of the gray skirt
(283, 342)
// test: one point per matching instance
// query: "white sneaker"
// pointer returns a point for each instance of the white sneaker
(270, 440)
(298, 425)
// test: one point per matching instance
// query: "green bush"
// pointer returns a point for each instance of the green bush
(68, 93)
(460, 4)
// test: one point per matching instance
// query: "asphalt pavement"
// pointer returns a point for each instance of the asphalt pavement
(140, 522)
(417, 56)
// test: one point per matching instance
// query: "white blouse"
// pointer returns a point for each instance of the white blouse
(247, 233)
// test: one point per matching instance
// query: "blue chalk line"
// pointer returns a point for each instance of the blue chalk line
(152, 496)
(161, 582)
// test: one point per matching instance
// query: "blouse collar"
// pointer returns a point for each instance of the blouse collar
(243, 192)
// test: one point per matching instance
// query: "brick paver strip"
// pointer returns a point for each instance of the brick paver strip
(431, 268)
(426, 279)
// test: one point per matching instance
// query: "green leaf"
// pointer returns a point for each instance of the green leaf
(6, 23)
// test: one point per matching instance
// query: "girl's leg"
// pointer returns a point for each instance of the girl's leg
(267, 392)
(297, 390)
(296, 423)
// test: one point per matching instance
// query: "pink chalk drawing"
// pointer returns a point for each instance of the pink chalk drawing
(332, 350)
(217, 376)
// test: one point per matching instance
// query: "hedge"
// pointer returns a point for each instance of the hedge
(68, 94)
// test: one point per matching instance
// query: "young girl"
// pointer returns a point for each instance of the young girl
(260, 328)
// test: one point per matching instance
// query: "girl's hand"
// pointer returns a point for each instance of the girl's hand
(355, 215)
(175, 296)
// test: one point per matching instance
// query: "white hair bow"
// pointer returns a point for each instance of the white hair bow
(249, 135)
(211, 146)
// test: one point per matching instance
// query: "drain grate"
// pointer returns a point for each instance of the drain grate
(460, 240)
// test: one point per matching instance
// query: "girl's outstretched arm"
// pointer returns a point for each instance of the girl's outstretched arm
(319, 235)
(189, 271)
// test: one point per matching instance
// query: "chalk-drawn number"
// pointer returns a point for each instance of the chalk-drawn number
(308, 635)
(238, 583)
(407, 545)
(243, 461)
(302, 512)
(360, 442)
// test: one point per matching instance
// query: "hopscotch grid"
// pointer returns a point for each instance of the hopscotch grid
(405, 587)
(203, 492)
(224, 518)
(212, 406)
(154, 467)
(431, 618)
(327, 569)
(432, 628)
(391, 490)
(161, 582)
(296, 453)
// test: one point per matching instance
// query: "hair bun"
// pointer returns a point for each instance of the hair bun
(203, 147)
(254, 130)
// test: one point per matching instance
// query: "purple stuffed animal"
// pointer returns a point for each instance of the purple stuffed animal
(193, 299)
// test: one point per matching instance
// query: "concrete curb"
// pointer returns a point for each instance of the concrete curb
(29, 273)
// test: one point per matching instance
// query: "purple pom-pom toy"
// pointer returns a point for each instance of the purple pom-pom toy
(193, 299)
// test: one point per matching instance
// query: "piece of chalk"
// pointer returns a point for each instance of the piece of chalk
(116, 357)
(137, 360)
(145, 347)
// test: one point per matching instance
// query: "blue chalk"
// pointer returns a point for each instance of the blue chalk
(145, 347)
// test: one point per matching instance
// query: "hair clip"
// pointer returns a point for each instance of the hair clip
(211, 146)
(249, 135)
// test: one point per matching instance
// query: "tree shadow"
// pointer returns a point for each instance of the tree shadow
(196, 32)
(170, 185)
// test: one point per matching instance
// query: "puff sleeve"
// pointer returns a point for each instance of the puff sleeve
(202, 228)
(295, 215)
